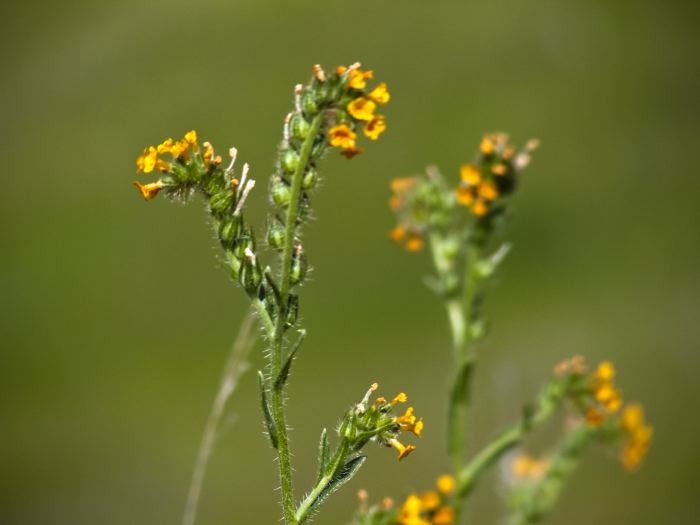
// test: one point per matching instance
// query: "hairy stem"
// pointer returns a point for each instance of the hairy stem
(236, 365)
(277, 336)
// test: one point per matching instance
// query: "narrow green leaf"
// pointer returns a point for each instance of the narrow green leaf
(267, 413)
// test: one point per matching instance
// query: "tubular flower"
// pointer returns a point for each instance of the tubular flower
(149, 161)
(150, 190)
(375, 127)
(637, 436)
(358, 78)
(362, 109)
(342, 136)
(380, 94)
(493, 175)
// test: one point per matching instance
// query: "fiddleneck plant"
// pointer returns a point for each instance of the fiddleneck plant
(459, 223)
(328, 113)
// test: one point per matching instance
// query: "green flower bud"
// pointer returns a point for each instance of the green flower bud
(289, 161)
(292, 309)
(281, 193)
(310, 179)
(300, 127)
(275, 235)
(228, 230)
(251, 275)
(299, 265)
(220, 202)
(234, 266)
(308, 103)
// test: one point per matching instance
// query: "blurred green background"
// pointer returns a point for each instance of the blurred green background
(116, 320)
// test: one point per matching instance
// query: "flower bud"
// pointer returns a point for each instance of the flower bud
(292, 309)
(220, 202)
(289, 160)
(300, 127)
(281, 193)
(308, 102)
(251, 274)
(310, 179)
(228, 230)
(275, 235)
(299, 265)
(234, 266)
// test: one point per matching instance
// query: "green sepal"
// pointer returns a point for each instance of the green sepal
(267, 413)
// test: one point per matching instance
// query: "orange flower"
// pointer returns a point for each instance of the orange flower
(362, 109)
(375, 127)
(149, 191)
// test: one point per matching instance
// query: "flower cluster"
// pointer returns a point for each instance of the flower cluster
(374, 421)
(608, 399)
(637, 436)
(358, 107)
(493, 175)
(430, 508)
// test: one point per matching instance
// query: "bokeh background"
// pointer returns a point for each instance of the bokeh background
(116, 321)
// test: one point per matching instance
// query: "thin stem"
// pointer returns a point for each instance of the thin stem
(236, 365)
(470, 474)
(277, 336)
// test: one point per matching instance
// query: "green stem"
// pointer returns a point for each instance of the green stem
(277, 335)
(470, 474)
(547, 492)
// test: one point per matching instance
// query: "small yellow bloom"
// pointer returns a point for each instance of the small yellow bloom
(380, 94)
(362, 109)
(499, 169)
(445, 484)
(444, 516)
(341, 136)
(594, 417)
(375, 127)
(358, 78)
(410, 512)
(479, 208)
(404, 450)
(401, 397)
(340, 70)
(148, 160)
(179, 149)
(398, 233)
(208, 153)
(638, 436)
(149, 191)
(465, 195)
(415, 243)
(605, 371)
(430, 500)
(487, 191)
(487, 146)
(407, 419)
(470, 174)
(164, 147)
(191, 139)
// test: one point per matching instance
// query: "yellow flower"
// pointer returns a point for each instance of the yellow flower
(341, 136)
(358, 78)
(398, 233)
(380, 94)
(444, 516)
(362, 109)
(499, 169)
(375, 127)
(479, 208)
(404, 450)
(465, 195)
(605, 371)
(487, 146)
(487, 191)
(470, 174)
(164, 147)
(179, 149)
(149, 160)
(191, 139)
(410, 512)
(430, 500)
(445, 484)
(638, 436)
(415, 243)
(149, 191)
(403, 184)
(401, 397)
(594, 417)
